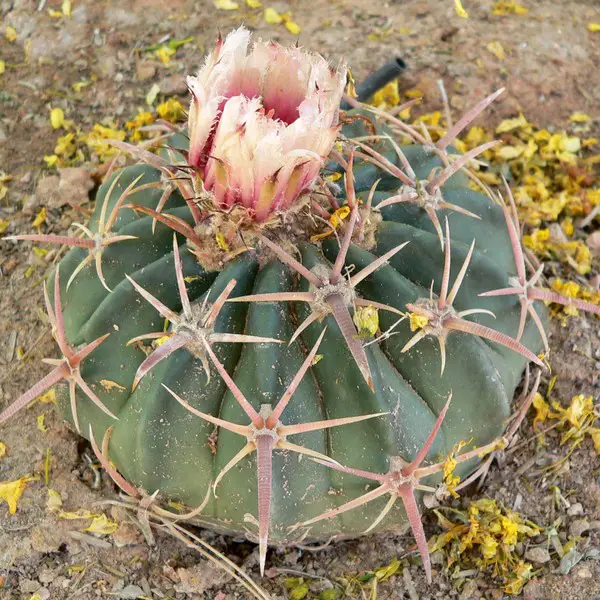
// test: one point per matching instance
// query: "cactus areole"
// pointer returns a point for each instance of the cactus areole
(288, 316)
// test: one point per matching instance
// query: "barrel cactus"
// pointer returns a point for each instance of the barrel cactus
(286, 319)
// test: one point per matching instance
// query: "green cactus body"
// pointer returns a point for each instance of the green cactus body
(158, 445)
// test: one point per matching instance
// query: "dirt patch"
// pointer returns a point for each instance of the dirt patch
(550, 60)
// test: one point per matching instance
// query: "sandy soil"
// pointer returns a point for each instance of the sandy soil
(549, 71)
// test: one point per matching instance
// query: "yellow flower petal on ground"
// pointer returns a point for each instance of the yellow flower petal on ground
(66, 8)
(460, 11)
(57, 118)
(54, 501)
(413, 93)
(292, 27)
(40, 219)
(2, 449)
(164, 54)
(594, 27)
(11, 492)
(10, 33)
(509, 152)
(226, 4)
(579, 117)
(497, 49)
(102, 525)
(253, 3)
(2, 67)
(40, 423)
(272, 17)
(508, 8)
(510, 124)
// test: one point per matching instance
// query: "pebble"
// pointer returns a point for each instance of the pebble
(578, 527)
(538, 555)
(575, 509)
(583, 572)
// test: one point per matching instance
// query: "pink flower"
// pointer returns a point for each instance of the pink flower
(261, 122)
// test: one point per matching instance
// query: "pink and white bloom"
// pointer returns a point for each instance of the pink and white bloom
(262, 120)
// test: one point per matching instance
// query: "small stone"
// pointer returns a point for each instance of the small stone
(538, 555)
(145, 70)
(583, 572)
(173, 85)
(593, 242)
(578, 527)
(575, 509)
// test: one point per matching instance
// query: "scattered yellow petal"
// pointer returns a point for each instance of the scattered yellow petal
(55, 14)
(417, 321)
(335, 221)
(54, 501)
(11, 492)
(172, 110)
(57, 118)
(579, 117)
(102, 525)
(48, 397)
(35, 597)
(594, 27)
(66, 8)
(2, 449)
(40, 423)
(413, 93)
(253, 3)
(497, 50)
(109, 385)
(10, 33)
(387, 97)
(226, 4)
(4, 223)
(47, 468)
(2, 67)
(79, 85)
(272, 17)
(164, 54)
(366, 319)
(460, 11)
(510, 124)
(222, 242)
(40, 218)
(292, 27)
(508, 8)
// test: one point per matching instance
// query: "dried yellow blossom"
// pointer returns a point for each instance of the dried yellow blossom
(460, 11)
(594, 27)
(508, 8)
(579, 117)
(172, 110)
(335, 220)
(11, 492)
(226, 4)
(366, 319)
(2, 449)
(102, 525)
(40, 219)
(417, 321)
(272, 17)
(519, 122)
(10, 33)
(387, 96)
(165, 54)
(497, 49)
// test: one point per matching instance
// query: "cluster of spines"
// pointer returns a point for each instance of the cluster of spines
(265, 432)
